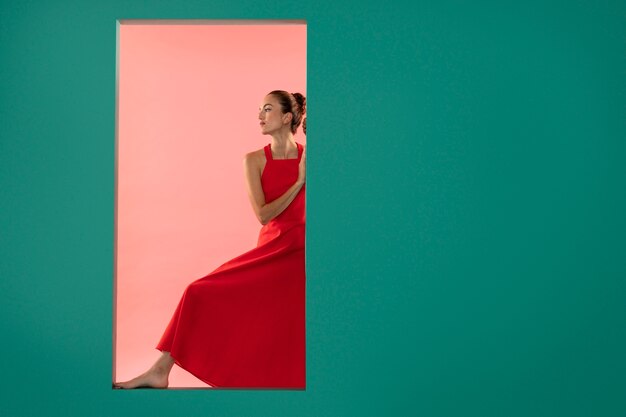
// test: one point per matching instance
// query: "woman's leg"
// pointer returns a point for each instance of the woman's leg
(155, 377)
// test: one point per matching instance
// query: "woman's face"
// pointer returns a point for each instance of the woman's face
(270, 115)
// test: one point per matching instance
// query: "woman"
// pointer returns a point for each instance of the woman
(242, 326)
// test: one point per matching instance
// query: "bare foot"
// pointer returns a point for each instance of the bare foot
(155, 377)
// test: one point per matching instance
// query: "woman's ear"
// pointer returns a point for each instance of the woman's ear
(287, 117)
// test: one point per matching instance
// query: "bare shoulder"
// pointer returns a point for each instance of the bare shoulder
(255, 159)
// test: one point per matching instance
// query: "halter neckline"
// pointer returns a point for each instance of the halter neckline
(268, 153)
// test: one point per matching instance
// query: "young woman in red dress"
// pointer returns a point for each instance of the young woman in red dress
(242, 325)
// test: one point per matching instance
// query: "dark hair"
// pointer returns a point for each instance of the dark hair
(295, 104)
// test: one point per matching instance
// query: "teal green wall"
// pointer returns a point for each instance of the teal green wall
(466, 204)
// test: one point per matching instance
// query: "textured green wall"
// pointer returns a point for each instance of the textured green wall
(466, 194)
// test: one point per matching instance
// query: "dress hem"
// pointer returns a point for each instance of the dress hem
(214, 386)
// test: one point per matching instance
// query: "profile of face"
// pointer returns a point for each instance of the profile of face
(271, 117)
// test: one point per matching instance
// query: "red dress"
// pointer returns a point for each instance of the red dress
(242, 325)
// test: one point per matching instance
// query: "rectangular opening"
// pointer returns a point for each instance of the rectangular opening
(187, 112)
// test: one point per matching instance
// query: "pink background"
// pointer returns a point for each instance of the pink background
(187, 114)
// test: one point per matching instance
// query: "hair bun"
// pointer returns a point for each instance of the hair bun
(301, 100)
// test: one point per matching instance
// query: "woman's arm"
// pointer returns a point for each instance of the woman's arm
(267, 211)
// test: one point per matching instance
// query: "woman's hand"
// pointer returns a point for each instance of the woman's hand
(302, 167)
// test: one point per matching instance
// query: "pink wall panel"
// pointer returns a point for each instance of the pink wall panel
(187, 114)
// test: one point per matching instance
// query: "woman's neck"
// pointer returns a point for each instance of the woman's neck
(283, 143)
